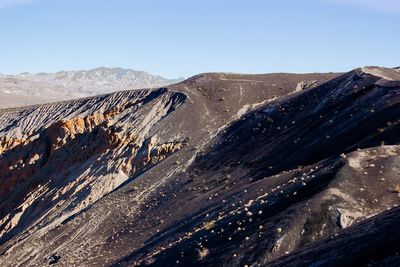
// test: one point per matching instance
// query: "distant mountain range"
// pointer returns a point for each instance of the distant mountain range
(28, 89)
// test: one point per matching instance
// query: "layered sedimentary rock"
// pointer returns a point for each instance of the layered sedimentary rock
(220, 170)
(67, 165)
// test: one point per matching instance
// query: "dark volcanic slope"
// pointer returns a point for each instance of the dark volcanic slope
(182, 176)
(374, 242)
(237, 212)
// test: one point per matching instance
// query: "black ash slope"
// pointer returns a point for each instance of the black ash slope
(235, 211)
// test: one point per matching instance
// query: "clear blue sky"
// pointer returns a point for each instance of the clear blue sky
(177, 38)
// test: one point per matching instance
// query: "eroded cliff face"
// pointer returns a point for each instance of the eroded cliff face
(59, 160)
(73, 162)
(9, 143)
(220, 169)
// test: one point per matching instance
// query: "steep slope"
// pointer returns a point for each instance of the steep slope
(27, 89)
(81, 151)
(278, 179)
(184, 176)
(374, 242)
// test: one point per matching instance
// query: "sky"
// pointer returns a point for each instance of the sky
(181, 38)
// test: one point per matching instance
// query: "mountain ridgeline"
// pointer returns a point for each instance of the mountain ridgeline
(218, 170)
(29, 89)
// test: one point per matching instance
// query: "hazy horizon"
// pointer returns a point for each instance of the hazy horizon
(184, 38)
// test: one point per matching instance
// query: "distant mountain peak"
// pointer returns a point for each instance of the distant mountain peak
(65, 85)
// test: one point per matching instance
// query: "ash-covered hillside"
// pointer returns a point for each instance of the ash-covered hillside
(219, 170)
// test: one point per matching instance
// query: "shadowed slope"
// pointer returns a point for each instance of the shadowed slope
(219, 187)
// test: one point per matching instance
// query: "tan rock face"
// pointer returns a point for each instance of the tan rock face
(23, 164)
(151, 153)
(73, 162)
(63, 131)
(9, 143)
